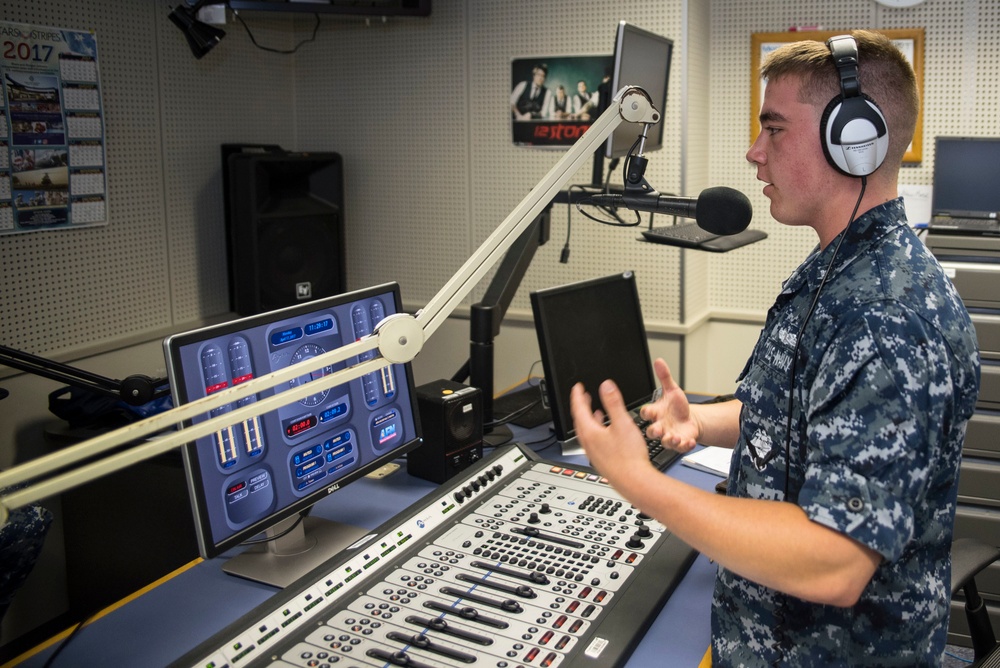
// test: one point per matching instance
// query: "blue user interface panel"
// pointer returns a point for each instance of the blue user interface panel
(268, 466)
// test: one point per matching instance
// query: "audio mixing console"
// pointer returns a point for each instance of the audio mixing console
(516, 561)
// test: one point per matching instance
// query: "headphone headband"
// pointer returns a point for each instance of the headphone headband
(853, 130)
(844, 50)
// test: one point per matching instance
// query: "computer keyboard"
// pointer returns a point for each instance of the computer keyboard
(968, 225)
(660, 456)
(682, 234)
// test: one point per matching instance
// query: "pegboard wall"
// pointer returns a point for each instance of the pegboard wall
(160, 262)
(426, 139)
(418, 109)
(456, 174)
(961, 94)
(61, 289)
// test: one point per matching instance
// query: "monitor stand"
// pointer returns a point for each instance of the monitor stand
(282, 561)
(571, 447)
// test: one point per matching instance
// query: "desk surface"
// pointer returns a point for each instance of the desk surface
(162, 624)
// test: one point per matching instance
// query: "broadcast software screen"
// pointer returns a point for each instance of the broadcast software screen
(263, 474)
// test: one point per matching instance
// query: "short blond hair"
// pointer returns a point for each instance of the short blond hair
(884, 75)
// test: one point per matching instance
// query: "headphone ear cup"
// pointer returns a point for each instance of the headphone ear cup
(854, 135)
(824, 132)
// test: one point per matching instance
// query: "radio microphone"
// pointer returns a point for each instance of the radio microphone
(719, 210)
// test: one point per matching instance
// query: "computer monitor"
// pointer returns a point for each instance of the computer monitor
(264, 474)
(588, 332)
(641, 58)
(966, 175)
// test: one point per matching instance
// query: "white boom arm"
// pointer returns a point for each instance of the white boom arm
(397, 339)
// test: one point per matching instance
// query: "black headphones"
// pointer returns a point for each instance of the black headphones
(853, 130)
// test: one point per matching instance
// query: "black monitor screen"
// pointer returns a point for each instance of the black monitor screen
(246, 477)
(642, 59)
(966, 175)
(588, 332)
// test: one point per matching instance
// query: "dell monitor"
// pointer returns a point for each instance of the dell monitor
(641, 58)
(263, 474)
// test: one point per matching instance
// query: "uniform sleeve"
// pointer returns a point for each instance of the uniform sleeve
(874, 429)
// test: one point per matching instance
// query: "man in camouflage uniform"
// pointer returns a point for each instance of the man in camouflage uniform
(834, 538)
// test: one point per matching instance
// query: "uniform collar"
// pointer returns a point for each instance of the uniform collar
(866, 230)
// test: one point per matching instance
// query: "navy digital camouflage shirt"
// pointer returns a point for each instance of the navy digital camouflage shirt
(885, 382)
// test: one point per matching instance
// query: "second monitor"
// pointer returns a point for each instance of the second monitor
(588, 332)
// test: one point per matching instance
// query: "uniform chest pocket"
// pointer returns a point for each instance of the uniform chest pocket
(775, 353)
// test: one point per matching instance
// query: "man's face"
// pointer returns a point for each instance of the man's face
(788, 155)
(582, 87)
(538, 76)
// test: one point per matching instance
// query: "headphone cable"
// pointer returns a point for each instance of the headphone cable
(781, 639)
(802, 329)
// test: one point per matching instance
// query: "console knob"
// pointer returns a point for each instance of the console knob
(399, 659)
(545, 510)
(510, 605)
(533, 518)
(634, 542)
(538, 578)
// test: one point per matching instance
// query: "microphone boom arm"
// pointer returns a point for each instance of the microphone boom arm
(397, 339)
(631, 104)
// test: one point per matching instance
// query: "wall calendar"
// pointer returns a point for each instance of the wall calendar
(52, 133)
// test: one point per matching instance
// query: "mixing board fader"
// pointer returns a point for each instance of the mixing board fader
(519, 562)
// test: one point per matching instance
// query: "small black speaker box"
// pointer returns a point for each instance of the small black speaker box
(451, 415)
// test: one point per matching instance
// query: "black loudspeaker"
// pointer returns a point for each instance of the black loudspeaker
(853, 131)
(286, 229)
(451, 415)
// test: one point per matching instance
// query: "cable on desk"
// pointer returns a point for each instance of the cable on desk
(73, 634)
(523, 409)
(513, 416)
(551, 438)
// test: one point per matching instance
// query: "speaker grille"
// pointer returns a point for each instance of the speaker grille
(286, 228)
(463, 421)
(297, 252)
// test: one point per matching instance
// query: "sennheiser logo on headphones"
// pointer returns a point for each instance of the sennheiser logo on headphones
(303, 290)
(867, 146)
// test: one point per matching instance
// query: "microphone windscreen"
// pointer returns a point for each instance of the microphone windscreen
(723, 211)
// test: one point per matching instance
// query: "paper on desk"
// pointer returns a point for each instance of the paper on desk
(917, 202)
(710, 459)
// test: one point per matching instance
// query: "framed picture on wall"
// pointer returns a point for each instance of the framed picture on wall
(553, 99)
(910, 41)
